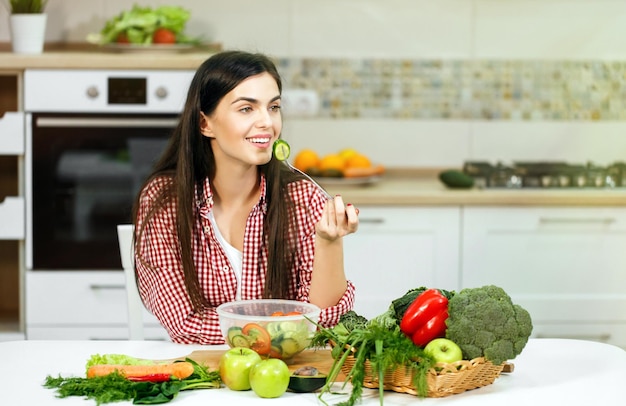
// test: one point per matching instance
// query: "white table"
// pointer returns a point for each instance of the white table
(549, 371)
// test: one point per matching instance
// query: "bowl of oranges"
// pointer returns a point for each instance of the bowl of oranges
(346, 164)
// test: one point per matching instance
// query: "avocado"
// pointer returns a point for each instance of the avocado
(456, 179)
(302, 384)
(306, 379)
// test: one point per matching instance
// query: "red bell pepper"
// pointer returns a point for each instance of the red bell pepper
(425, 318)
(151, 378)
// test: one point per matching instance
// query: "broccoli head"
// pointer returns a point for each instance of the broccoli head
(352, 320)
(485, 322)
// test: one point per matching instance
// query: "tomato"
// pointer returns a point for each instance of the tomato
(122, 38)
(275, 352)
(294, 313)
(163, 36)
(260, 339)
(278, 314)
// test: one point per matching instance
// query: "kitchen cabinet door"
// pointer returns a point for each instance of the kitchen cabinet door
(12, 206)
(396, 249)
(80, 305)
(566, 266)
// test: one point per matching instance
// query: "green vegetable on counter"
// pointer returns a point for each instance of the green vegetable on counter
(138, 25)
(352, 320)
(456, 179)
(115, 387)
(485, 322)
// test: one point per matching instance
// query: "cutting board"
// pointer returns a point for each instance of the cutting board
(318, 358)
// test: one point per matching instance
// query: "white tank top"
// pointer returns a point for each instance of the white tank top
(234, 255)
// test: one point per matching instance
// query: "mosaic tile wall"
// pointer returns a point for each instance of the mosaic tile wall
(458, 89)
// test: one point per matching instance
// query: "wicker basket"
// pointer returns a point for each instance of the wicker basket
(451, 379)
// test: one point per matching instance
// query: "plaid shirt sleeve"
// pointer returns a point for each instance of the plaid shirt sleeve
(309, 206)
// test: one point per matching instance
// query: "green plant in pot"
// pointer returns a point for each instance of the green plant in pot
(28, 25)
(27, 6)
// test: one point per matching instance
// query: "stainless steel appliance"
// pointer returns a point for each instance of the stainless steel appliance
(92, 136)
(546, 175)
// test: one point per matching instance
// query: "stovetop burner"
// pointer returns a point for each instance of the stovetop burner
(545, 174)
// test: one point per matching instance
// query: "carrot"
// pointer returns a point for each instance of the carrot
(363, 172)
(180, 370)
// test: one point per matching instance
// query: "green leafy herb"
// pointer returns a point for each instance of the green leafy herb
(383, 345)
(115, 387)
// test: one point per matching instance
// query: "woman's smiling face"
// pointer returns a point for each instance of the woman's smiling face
(246, 122)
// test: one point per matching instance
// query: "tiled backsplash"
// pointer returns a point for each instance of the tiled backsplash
(518, 90)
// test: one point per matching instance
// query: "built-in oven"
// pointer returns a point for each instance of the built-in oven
(92, 137)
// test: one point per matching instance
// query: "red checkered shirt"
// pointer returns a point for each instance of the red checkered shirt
(162, 287)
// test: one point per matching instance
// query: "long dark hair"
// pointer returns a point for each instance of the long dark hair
(188, 160)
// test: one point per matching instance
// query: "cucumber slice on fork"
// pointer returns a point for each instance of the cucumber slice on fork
(281, 151)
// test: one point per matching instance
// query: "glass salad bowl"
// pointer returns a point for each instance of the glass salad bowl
(273, 328)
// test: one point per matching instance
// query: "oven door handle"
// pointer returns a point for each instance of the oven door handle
(116, 122)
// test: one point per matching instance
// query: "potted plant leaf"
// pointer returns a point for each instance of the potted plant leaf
(28, 25)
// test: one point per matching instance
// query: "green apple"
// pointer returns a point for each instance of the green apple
(235, 365)
(444, 350)
(270, 378)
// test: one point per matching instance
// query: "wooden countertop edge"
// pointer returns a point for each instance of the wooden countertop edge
(89, 56)
(421, 187)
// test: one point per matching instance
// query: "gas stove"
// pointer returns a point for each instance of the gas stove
(546, 175)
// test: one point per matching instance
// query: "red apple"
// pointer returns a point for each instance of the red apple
(235, 365)
(270, 378)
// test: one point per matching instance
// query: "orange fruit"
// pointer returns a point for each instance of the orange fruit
(332, 161)
(358, 161)
(347, 153)
(306, 159)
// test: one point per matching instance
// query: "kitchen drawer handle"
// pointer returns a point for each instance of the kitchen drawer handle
(600, 337)
(573, 220)
(106, 287)
(376, 220)
(106, 122)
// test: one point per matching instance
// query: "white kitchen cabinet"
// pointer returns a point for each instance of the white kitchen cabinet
(399, 248)
(12, 205)
(80, 305)
(565, 265)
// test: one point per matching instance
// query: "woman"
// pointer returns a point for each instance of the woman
(221, 219)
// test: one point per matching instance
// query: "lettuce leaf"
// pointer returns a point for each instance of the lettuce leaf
(139, 23)
(116, 359)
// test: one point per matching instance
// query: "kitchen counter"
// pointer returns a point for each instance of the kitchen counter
(549, 371)
(422, 188)
(86, 56)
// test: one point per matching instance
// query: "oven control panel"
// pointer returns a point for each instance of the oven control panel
(106, 91)
(127, 90)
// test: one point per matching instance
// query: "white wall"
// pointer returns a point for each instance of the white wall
(415, 29)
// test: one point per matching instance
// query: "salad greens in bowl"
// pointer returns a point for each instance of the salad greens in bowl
(274, 328)
(164, 25)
